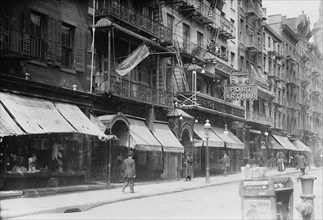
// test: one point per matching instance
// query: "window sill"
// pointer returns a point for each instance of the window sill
(67, 70)
(38, 63)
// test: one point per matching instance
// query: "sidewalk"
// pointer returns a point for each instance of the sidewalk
(85, 200)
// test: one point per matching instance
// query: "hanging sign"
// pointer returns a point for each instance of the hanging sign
(240, 88)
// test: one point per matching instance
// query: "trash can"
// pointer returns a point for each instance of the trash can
(267, 198)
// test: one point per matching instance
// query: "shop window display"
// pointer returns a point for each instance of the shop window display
(29, 160)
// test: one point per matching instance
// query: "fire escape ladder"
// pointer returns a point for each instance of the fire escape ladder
(179, 72)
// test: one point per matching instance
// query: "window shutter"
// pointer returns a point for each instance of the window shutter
(2, 8)
(26, 32)
(58, 35)
(80, 46)
(54, 39)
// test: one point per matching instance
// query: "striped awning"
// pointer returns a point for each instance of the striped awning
(283, 141)
(214, 140)
(7, 125)
(231, 141)
(167, 139)
(40, 116)
(300, 145)
(141, 137)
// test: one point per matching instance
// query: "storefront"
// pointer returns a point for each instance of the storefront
(44, 142)
(233, 147)
(172, 149)
(157, 150)
(216, 148)
(287, 149)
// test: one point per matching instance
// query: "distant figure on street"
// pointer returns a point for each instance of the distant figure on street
(189, 167)
(129, 172)
(301, 163)
(280, 161)
(225, 163)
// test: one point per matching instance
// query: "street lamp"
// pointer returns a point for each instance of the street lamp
(207, 128)
(226, 132)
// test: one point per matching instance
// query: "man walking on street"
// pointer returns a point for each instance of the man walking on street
(225, 163)
(129, 172)
(301, 163)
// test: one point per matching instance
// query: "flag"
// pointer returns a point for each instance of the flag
(133, 60)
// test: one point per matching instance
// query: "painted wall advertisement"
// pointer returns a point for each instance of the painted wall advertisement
(257, 209)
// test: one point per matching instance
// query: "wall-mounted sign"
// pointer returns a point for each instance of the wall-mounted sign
(237, 93)
(240, 88)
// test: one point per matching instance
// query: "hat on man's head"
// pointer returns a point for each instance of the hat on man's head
(130, 153)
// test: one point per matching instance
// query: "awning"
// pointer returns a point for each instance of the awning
(141, 136)
(79, 120)
(231, 141)
(166, 137)
(283, 141)
(35, 116)
(214, 140)
(300, 145)
(95, 120)
(40, 116)
(7, 124)
(275, 145)
(101, 126)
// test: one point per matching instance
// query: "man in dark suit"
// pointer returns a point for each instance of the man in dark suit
(129, 172)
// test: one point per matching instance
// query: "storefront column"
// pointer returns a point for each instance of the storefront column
(192, 155)
(109, 162)
(88, 147)
(240, 134)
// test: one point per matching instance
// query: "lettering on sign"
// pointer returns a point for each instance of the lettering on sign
(240, 88)
(257, 184)
(241, 92)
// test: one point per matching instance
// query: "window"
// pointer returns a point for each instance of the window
(269, 43)
(170, 21)
(67, 45)
(265, 61)
(241, 63)
(232, 58)
(36, 28)
(200, 39)
(186, 32)
(186, 35)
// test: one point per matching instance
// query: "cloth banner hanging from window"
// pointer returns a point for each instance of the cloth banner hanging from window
(133, 60)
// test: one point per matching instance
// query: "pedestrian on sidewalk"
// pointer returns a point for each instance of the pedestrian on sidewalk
(225, 163)
(301, 163)
(129, 172)
(280, 161)
(188, 167)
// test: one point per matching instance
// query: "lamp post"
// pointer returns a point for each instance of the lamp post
(207, 127)
(266, 148)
